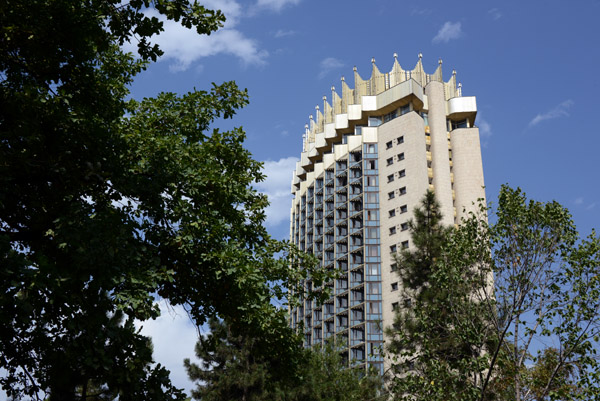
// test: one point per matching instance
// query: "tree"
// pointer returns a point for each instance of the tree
(511, 288)
(423, 341)
(106, 203)
(233, 367)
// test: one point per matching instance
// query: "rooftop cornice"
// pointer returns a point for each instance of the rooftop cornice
(378, 83)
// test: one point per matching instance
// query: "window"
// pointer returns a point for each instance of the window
(389, 116)
(403, 226)
(395, 306)
(405, 109)
(373, 269)
(370, 165)
(374, 288)
(402, 191)
(389, 144)
(371, 148)
(372, 197)
(404, 244)
(390, 161)
(371, 181)
(392, 230)
(393, 249)
(390, 177)
(374, 307)
(393, 267)
(394, 286)
(459, 124)
(400, 156)
(392, 213)
(391, 195)
(400, 139)
(403, 209)
(374, 327)
(374, 121)
(372, 215)
(402, 173)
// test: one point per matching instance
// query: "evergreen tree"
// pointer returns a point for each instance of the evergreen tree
(428, 237)
(424, 342)
(236, 367)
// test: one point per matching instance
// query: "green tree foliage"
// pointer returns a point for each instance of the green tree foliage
(428, 236)
(107, 202)
(233, 367)
(509, 290)
(424, 342)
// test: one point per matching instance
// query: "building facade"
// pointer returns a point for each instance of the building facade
(368, 158)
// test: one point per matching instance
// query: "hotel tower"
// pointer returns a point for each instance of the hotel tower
(369, 155)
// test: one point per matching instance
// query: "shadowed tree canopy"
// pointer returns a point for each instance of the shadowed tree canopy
(106, 203)
(234, 367)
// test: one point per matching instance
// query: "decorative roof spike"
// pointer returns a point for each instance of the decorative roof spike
(454, 72)
(328, 110)
(377, 81)
(332, 88)
(459, 90)
(437, 75)
(420, 56)
(395, 55)
(373, 60)
(360, 87)
(336, 102)
(343, 79)
(354, 69)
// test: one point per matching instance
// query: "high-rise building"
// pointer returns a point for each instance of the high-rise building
(368, 158)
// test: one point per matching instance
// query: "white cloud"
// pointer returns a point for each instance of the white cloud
(562, 110)
(173, 337)
(230, 8)
(329, 64)
(485, 129)
(420, 11)
(281, 33)
(448, 31)
(579, 201)
(276, 5)
(495, 13)
(277, 187)
(183, 47)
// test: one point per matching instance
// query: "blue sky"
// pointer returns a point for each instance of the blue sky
(532, 66)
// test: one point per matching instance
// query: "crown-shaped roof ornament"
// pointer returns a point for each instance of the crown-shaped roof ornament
(376, 84)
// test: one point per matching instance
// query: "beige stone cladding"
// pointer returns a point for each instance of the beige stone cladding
(467, 169)
(402, 157)
(439, 150)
